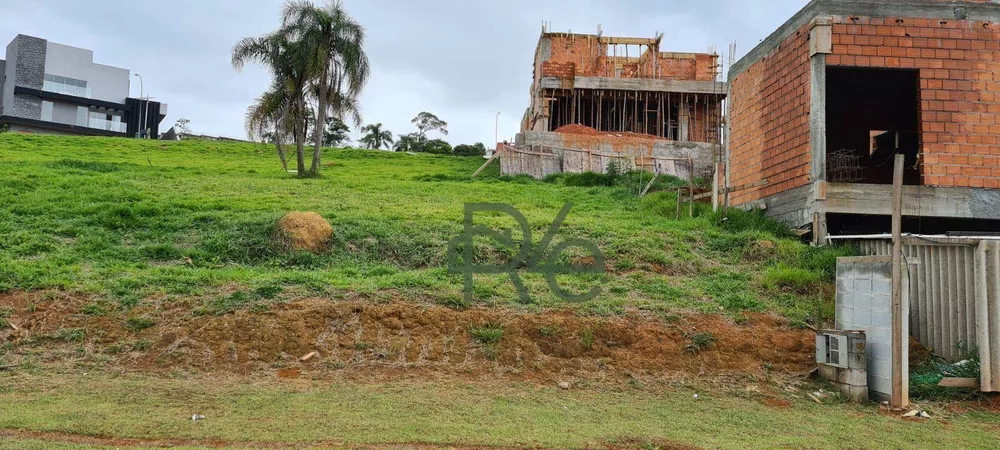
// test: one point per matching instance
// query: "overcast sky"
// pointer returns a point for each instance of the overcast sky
(464, 60)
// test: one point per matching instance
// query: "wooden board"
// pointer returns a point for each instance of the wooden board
(960, 382)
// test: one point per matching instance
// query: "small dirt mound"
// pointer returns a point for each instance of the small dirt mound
(303, 231)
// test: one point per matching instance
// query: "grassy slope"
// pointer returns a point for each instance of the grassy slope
(117, 218)
(458, 414)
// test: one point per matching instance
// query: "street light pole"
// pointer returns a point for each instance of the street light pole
(141, 92)
(496, 133)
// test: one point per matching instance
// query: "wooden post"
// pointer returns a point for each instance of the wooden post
(715, 187)
(899, 398)
(691, 186)
(678, 214)
(496, 155)
(656, 173)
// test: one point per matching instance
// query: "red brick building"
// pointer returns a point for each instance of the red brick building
(818, 110)
(612, 96)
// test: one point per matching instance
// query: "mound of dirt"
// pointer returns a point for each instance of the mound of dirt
(387, 341)
(589, 131)
(303, 231)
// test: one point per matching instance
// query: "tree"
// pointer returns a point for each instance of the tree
(267, 119)
(436, 146)
(182, 126)
(375, 137)
(409, 143)
(337, 68)
(283, 107)
(477, 149)
(427, 122)
(336, 133)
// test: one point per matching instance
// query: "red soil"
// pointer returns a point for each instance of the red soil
(588, 131)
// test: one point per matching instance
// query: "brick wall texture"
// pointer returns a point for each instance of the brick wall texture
(959, 66)
(958, 62)
(769, 122)
(584, 55)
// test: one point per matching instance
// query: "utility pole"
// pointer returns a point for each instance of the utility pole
(900, 397)
(141, 93)
(496, 133)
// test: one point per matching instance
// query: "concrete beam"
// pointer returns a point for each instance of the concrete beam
(928, 9)
(923, 201)
(650, 85)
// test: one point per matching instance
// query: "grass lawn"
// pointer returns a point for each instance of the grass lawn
(128, 220)
(303, 412)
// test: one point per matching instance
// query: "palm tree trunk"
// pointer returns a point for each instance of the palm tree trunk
(320, 124)
(300, 147)
(278, 144)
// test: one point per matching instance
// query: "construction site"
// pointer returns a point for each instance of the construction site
(599, 99)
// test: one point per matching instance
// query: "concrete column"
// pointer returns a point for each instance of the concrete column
(683, 122)
(820, 44)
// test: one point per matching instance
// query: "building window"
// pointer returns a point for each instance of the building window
(66, 85)
(82, 116)
(47, 111)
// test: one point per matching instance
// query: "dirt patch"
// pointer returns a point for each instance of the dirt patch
(110, 442)
(778, 403)
(588, 131)
(384, 340)
(303, 231)
(918, 354)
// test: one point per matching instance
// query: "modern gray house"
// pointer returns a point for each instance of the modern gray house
(51, 88)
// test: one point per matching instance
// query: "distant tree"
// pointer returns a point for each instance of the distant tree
(375, 137)
(412, 142)
(477, 149)
(427, 122)
(336, 133)
(182, 126)
(436, 146)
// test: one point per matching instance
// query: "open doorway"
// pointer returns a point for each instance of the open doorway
(871, 116)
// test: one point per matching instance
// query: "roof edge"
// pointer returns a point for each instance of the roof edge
(929, 9)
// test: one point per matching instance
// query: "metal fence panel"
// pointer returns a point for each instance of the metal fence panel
(955, 297)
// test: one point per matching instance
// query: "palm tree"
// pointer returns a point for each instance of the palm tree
(338, 66)
(284, 106)
(375, 137)
(266, 119)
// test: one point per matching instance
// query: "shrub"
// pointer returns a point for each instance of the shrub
(738, 221)
(699, 341)
(137, 324)
(477, 149)
(794, 279)
(487, 334)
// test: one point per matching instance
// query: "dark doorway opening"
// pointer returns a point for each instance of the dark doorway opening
(871, 115)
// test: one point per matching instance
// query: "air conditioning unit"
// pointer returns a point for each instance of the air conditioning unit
(831, 349)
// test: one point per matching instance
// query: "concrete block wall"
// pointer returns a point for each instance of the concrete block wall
(959, 70)
(864, 303)
(769, 121)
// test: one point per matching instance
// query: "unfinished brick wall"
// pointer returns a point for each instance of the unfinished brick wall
(959, 70)
(584, 55)
(769, 122)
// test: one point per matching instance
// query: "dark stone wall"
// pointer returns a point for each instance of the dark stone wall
(29, 71)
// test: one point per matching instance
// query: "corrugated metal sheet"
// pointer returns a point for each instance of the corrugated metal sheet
(955, 296)
(988, 313)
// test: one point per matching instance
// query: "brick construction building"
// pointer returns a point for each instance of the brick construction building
(597, 99)
(818, 110)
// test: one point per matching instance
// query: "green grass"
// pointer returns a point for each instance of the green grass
(129, 220)
(455, 414)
